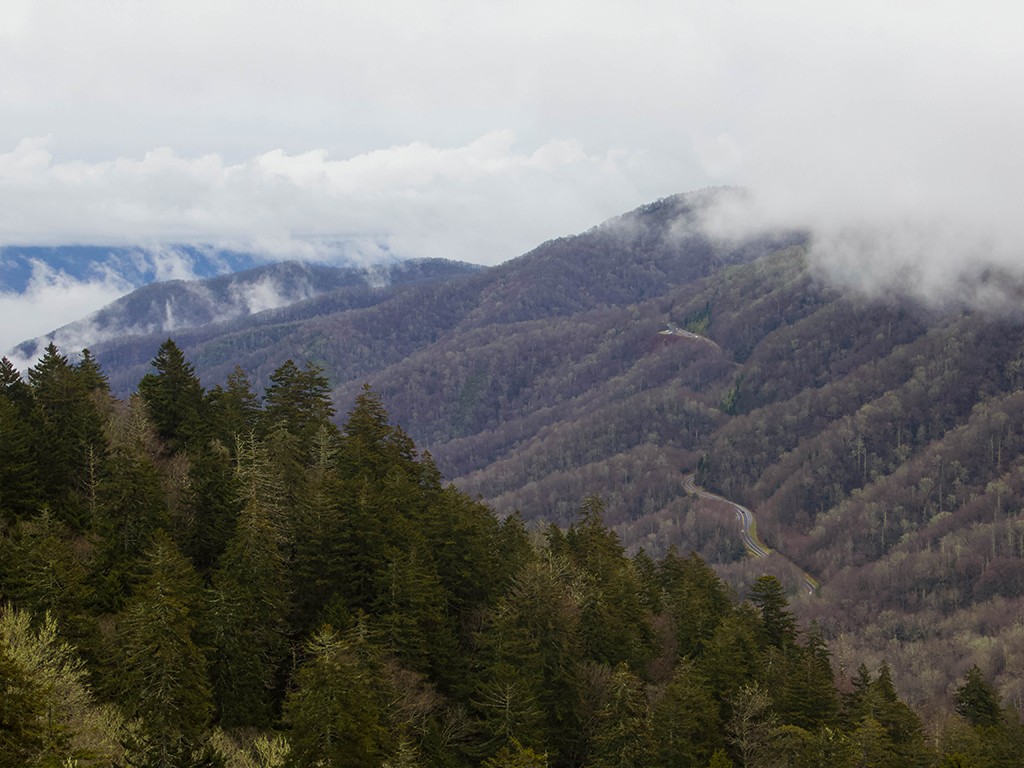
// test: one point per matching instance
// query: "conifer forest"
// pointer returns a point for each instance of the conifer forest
(221, 577)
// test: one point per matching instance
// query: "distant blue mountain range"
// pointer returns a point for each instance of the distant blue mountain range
(135, 265)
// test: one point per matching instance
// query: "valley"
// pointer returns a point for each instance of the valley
(879, 440)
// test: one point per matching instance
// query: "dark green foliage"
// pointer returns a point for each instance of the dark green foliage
(234, 408)
(613, 617)
(694, 598)
(779, 625)
(685, 724)
(977, 701)
(41, 570)
(248, 621)
(335, 713)
(21, 486)
(69, 439)
(211, 502)
(325, 585)
(91, 375)
(163, 673)
(622, 732)
(174, 397)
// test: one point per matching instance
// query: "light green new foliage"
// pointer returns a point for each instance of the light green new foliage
(260, 751)
(74, 728)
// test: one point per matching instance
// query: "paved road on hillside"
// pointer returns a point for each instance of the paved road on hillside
(748, 531)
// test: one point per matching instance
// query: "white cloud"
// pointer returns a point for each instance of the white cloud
(474, 130)
(486, 201)
(53, 298)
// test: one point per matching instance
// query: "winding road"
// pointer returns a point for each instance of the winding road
(748, 531)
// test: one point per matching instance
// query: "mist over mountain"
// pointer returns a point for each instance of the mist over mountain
(175, 306)
(875, 435)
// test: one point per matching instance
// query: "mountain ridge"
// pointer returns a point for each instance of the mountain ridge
(877, 440)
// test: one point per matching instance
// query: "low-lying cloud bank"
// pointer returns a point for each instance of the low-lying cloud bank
(484, 202)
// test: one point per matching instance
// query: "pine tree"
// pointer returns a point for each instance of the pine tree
(298, 403)
(211, 502)
(41, 569)
(128, 503)
(613, 620)
(71, 725)
(21, 486)
(622, 736)
(411, 607)
(694, 598)
(530, 689)
(802, 685)
(234, 408)
(91, 375)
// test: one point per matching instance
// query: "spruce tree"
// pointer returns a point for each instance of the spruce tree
(248, 614)
(174, 397)
(70, 435)
(977, 701)
(334, 713)
(163, 674)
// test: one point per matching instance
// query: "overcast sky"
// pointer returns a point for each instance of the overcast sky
(475, 130)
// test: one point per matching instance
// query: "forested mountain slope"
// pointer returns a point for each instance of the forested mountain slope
(196, 577)
(878, 442)
(176, 306)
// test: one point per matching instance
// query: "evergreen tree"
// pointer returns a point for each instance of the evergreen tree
(779, 624)
(91, 375)
(211, 502)
(20, 712)
(234, 408)
(248, 612)
(297, 406)
(802, 684)
(71, 725)
(531, 687)
(335, 713)
(371, 447)
(411, 607)
(613, 619)
(12, 386)
(174, 397)
(70, 438)
(163, 673)
(41, 569)
(685, 726)
(128, 503)
(21, 486)
(903, 727)
(977, 701)
(695, 599)
(622, 736)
